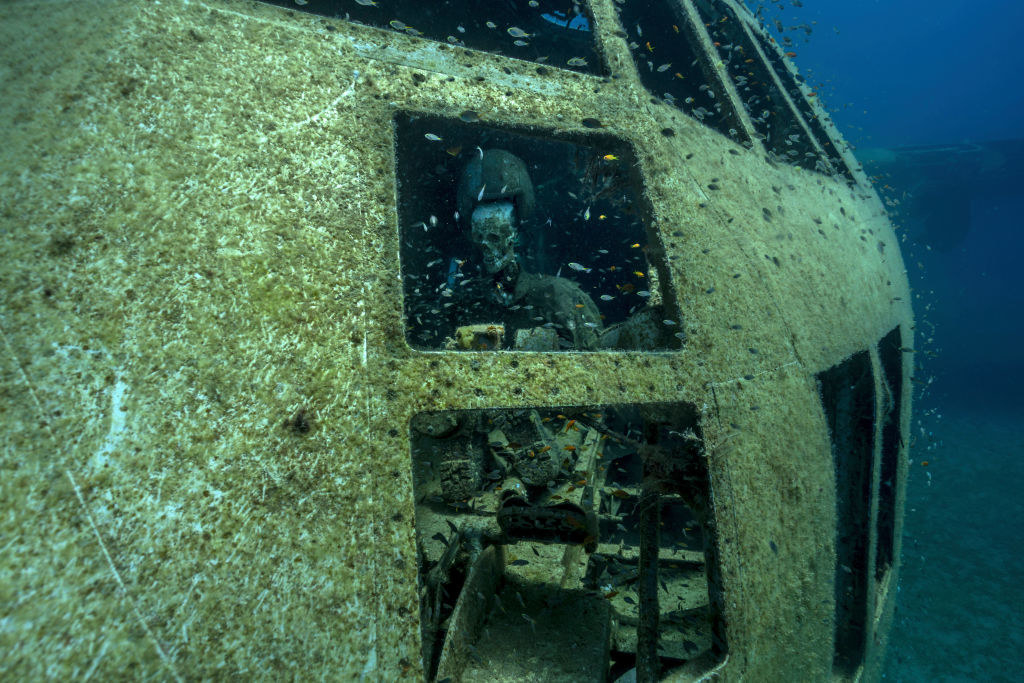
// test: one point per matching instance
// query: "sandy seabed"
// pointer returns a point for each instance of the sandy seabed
(960, 609)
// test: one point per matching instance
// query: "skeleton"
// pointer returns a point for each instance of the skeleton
(493, 230)
(495, 195)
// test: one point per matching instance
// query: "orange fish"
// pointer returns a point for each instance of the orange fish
(791, 54)
(574, 523)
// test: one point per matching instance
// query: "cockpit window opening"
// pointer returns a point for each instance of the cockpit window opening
(775, 122)
(672, 67)
(833, 162)
(555, 529)
(891, 350)
(554, 32)
(848, 399)
(513, 239)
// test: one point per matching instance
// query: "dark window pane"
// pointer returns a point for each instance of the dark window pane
(773, 119)
(848, 398)
(890, 352)
(672, 66)
(550, 530)
(833, 163)
(555, 32)
(517, 241)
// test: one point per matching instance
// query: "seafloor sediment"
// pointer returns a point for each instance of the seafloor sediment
(958, 608)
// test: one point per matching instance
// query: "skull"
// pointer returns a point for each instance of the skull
(494, 231)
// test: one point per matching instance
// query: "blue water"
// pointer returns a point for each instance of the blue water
(925, 73)
(904, 72)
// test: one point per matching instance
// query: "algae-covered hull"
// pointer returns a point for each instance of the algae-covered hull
(289, 391)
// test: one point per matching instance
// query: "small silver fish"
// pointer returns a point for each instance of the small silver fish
(607, 297)
(480, 196)
(366, 3)
(579, 267)
(586, 214)
(517, 32)
(643, 293)
(491, 24)
(577, 61)
(520, 43)
(432, 137)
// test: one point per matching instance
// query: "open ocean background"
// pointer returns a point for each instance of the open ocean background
(906, 73)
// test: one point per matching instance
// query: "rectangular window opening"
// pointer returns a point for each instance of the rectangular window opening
(848, 399)
(512, 240)
(551, 32)
(834, 163)
(774, 121)
(890, 353)
(547, 531)
(662, 41)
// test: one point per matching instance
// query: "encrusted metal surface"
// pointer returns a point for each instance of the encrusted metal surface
(206, 384)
